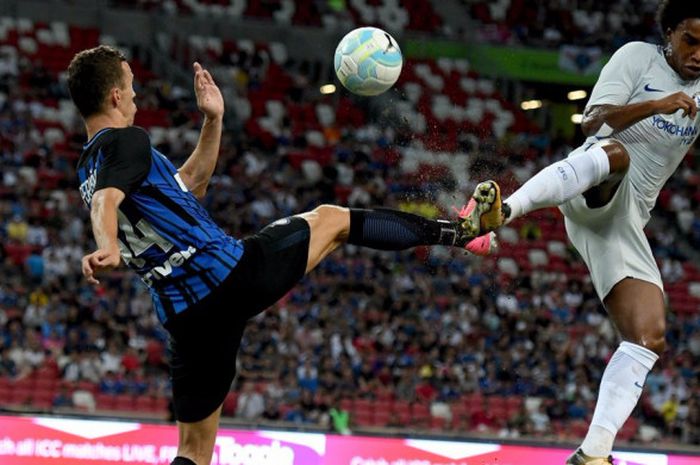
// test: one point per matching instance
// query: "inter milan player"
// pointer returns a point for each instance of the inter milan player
(205, 284)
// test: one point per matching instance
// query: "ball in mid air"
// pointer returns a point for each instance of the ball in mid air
(368, 61)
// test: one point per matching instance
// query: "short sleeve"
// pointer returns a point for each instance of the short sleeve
(126, 160)
(618, 79)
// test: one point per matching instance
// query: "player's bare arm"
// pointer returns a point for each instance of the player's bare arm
(103, 214)
(198, 168)
(621, 117)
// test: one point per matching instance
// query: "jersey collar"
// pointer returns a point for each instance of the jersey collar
(94, 137)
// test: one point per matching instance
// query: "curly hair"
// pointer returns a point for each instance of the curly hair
(673, 12)
(92, 74)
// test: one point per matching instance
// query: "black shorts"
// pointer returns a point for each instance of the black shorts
(204, 339)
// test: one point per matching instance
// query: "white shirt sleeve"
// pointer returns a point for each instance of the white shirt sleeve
(619, 77)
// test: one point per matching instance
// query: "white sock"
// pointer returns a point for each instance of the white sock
(619, 392)
(560, 182)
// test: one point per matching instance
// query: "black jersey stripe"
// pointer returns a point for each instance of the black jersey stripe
(232, 257)
(167, 304)
(219, 259)
(203, 274)
(164, 199)
(171, 231)
(184, 290)
(169, 203)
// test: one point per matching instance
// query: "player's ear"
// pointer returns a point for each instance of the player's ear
(115, 97)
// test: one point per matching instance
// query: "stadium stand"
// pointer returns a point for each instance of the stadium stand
(551, 24)
(431, 340)
(394, 15)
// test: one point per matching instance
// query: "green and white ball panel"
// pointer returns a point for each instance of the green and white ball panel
(368, 61)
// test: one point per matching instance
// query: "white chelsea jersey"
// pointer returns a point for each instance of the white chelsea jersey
(638, 72)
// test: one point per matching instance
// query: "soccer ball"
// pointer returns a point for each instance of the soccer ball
(368, 61)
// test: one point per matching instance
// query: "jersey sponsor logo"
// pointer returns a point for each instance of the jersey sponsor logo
(673, 129)
(175, 260)
(648, 88)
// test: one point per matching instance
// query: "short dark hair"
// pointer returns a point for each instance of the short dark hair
(92, 74)
(673, 12)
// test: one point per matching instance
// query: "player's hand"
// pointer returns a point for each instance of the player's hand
(674, 102)
(209, 98)
(100, 260)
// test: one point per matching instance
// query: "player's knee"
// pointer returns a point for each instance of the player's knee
(653, 337)
(328, 210)
(656, 343)
(338, 217)
(617, 155)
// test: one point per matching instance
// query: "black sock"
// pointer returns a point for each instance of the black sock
(386, 229)
(182, 461)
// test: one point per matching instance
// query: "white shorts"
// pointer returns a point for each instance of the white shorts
(611, 238)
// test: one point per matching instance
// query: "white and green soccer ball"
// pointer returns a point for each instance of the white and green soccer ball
(368, 61)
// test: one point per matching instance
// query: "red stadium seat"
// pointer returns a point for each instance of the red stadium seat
(230, 403)
(363, 405)
(124, 402)
(362, 418)
(347, 404)
(382, 417)
(105, 401)
(402, 410)
(46, 383)
(160, 404)
(5, 395)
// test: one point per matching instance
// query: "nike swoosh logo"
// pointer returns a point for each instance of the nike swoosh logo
(636, 383)
(651, 89)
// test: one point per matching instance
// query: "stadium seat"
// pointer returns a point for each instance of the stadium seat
(124, 402)
(230, 403)
(105, 401)
(362, 418)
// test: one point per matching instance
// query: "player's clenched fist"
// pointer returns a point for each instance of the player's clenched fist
(674, 102)
(99, 260)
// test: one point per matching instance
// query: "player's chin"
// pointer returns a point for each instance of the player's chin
(691, 72)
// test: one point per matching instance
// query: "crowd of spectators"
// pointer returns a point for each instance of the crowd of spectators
(423, 327)
(548, 24)
(552, 23)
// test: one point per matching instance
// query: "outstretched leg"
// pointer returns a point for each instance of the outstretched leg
(382, 229)
(596, 173)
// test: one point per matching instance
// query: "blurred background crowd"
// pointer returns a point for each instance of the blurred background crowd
(431, 339)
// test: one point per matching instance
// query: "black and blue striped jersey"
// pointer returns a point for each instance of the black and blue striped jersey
(165, 235)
